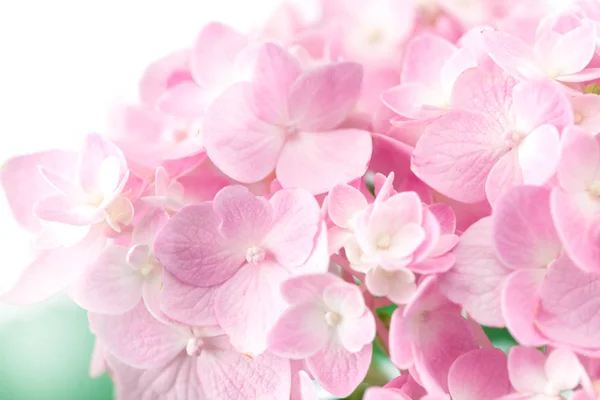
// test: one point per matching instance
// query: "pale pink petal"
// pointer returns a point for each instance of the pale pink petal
(336, 157)
(276, 70)
(190, 247)
(248, 305)
(424, 58)
(98, 363)
(96, 150)
(445, 216)
(570, 299)
(526, 369)
(511, 54)
(147, 228)
(296, 217)
(323, 97)
(53, 270)
(187, 101)
(575, 216)
(318, 261)
(187, 304)
(137, 338)
(475, 282)
(579, 161)
(356, 333)
(375, 393)
(492, 94)
(579, 44)
(345, 299)
(300, 332)
(245, 218)
(462, 60)
(505, 175)
(434, 265)
(227, 374)
(307, 288)
(563, 369)
(538, 103)
(338, 370)
(441, 339)
(343, 203)
(414, 101)
(587, 74)
(585, 109)
(401, 340)
(241, 143)
(524, 234)
(520, 305)
(306, 388)
(109, 285)
(24, 185)
(213, 56)
(538, 155)
(457, 152)
(479, 375)
(163, 75)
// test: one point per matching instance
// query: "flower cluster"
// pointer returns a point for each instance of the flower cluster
(239, 231)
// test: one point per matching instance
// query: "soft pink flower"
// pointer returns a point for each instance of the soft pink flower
(285, 122)
(538, 376)
(247, 246)
(154, 360)
(507, 134)
(329, 325)
(576, 199)
(563, 48)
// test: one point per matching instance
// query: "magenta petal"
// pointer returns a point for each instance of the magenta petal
(339, 371)
(524, 234)
(336, 157)
(187, 304)
(190, 247)
(520, 305)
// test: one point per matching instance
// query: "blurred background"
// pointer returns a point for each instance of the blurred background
(63, 64)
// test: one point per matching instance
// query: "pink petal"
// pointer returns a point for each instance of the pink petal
(524, 234)
(492, 94)
(245, 218)
(445, 216)
(213, 56)
(163, 75)
(505, 175)
(139, 339)
(306, 388)
(526, 369)
(442, 338)
(53, 270)
(296, 223)
(475, 282)
(538, 155)
(563, 369)
(66, 209)
(435, 265)
(413, 100)
(323, 97)
(190, 247)
(187, 101)
(338, 370)
(520, 305)
(227, 374)
(96, 150)
(479, 375)
(248, 305)
(356, 333)
(461, 61)
(375, 393)
(24, 185)
(345, 299)
(343, 203)
(300, 332)
(587, 74)
(575, 216)
(241, 142)
(579, 160)
(336, 157)
(585, 112)
(511, 54)
(147, 228)
(424, 58)
(110, 285)
(401, 340)
(457, 152)
(187, 304)
(570, 299)
(580, 44)
(276, 70)
(307, 288)
(538, 103)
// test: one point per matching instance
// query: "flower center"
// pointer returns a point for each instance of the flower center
(384, 242)
(514, 138)
(578, 118)
(255, 255)
(291, 130)
(332, 318)
(194, 346)
(594, 189)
